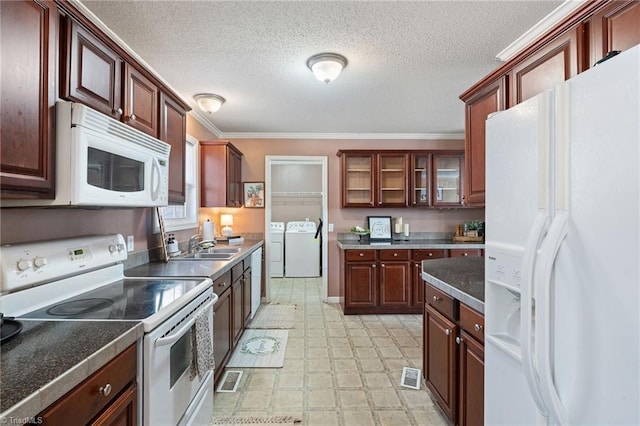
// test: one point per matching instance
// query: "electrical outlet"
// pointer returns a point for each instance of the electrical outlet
(130, 243)
(331, 227)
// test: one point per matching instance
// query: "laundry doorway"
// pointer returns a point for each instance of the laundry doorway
(297, 206)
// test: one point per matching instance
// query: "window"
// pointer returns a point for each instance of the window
(184, 216)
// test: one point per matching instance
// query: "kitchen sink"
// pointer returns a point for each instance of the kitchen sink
(213, 253)
(205, 256)
(226, 250)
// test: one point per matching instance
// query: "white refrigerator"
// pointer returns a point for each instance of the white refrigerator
(562, 261)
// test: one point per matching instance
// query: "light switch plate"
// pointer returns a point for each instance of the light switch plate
(331, 227)
(130, 244)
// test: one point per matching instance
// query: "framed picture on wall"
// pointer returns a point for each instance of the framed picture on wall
(380, 228)
(253, 194)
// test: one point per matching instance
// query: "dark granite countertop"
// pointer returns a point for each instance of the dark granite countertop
(345, 244)
(460, 277)
(195, 268)
(48, 358)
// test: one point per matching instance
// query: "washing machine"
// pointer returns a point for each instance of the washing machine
(276, 250)
(302, 250)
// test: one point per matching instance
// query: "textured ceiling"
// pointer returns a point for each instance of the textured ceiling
(408, 61)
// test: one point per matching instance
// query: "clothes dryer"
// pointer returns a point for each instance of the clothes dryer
(302, 251)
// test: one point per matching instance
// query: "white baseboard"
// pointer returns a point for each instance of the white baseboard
(334, 299)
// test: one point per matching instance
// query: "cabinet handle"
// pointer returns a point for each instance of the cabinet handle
(222, 284)
(132, 117)
(373, 266)
(458, 340)
(382, 264)
(436, 298)
(361, 254)
(465, 254)
(117, 111)
(430, 254)
(447, 332)
(379, 203)
(395, 254)
(105, 390)
(417, 265)
(477, 327)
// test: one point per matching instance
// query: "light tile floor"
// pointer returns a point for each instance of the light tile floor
(339, 370)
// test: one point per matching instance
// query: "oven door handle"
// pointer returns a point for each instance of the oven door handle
(164, 341)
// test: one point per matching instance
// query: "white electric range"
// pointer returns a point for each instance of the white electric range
(82, 279)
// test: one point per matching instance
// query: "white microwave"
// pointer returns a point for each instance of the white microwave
(101, 162)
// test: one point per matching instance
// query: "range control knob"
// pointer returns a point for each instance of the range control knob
(23, 264)
(40, 262)
(116, 248)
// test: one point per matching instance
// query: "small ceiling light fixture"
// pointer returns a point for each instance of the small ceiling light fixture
(327, 66)
(208, 102)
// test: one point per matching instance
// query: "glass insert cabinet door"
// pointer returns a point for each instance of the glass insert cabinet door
(358, 180)
(392, 179)
(420, 172)
(447, 178)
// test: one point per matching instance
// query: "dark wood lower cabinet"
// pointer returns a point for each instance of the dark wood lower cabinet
(237, 316)
(395, 284)
(440, 358)
(471, 381)
(387, 281)
(86, 405)
(124, 411)
(221, 331)
(453, 362)
(246, 292)
(362, 292)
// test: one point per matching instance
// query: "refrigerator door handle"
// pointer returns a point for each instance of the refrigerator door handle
(555, 237)
(526, 309)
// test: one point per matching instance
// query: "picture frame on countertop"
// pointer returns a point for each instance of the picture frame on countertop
(253, 194)
(380, 228)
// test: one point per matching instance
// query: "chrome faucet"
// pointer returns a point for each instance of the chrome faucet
(196, 242)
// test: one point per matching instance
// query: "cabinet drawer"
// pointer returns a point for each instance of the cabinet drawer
(425, 254)
(237, 271)
(465, 253)
(355, 255)
(222, 283)
(85, 401)
(441, 301)
(394, 254)
(472, 322)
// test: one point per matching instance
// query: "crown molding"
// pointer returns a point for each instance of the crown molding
(539, 28)
(201, 118)
(405, 136)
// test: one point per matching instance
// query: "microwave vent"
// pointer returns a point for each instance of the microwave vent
(97, 121)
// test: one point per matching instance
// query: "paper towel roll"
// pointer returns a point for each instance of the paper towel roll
(208, 230)
(406, 229)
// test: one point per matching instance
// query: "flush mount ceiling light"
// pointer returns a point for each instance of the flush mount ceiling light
(327, 66)
(208, 102)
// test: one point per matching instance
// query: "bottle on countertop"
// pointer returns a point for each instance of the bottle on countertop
(172, 245)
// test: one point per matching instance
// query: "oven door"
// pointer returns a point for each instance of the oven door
(170, 397)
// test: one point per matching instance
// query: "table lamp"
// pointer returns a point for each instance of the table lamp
(226, 220)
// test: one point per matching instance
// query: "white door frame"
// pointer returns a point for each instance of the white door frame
(270, 160)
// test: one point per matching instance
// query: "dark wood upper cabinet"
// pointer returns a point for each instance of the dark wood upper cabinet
(141, 102)
(28, 32)
(92, 71)
(220, 174)
(615, 27)
(173, 128)
(554, 63)
(479, 105)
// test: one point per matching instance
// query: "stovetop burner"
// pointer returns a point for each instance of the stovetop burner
(79, 307)
(9, 328)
